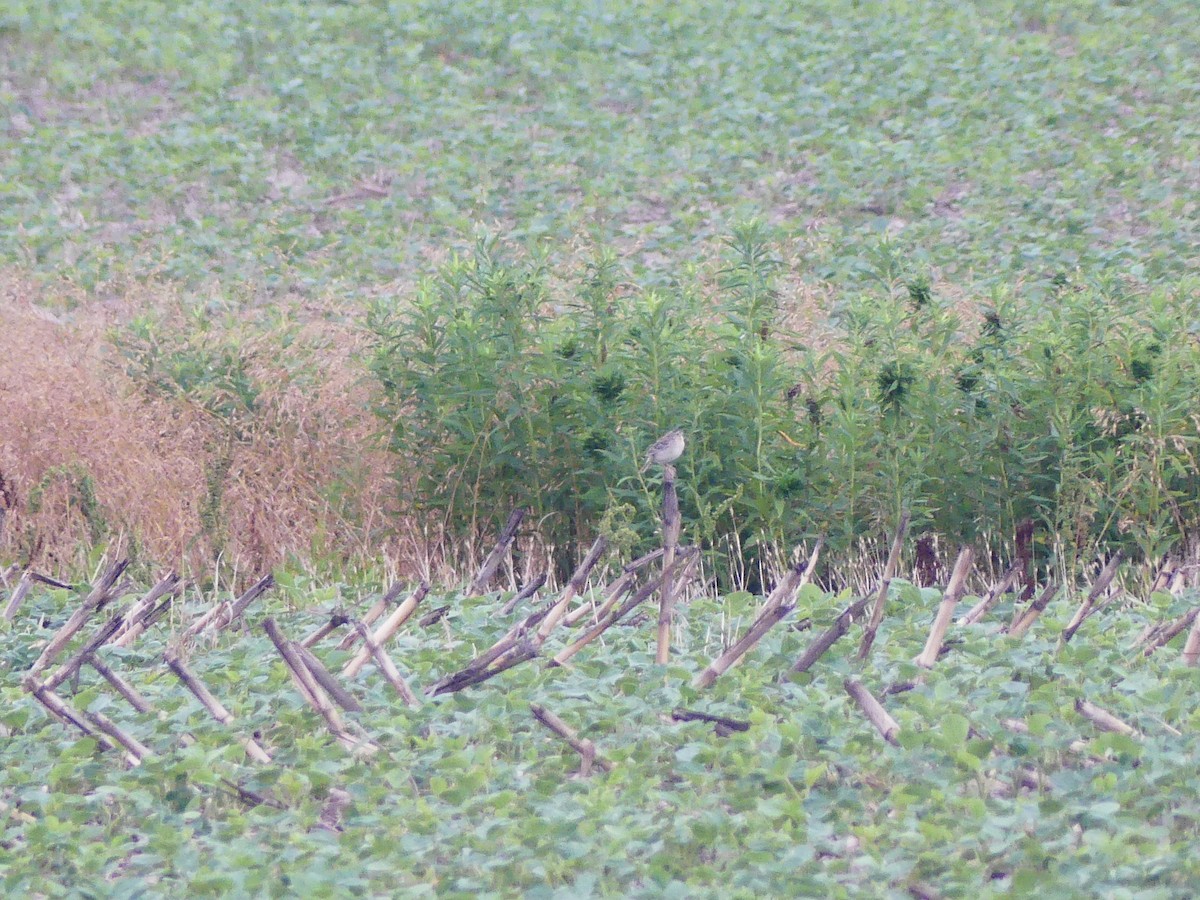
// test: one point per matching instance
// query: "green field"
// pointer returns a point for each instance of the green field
(279, 147)
(328, 289)
(470, 796)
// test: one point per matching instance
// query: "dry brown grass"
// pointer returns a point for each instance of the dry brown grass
(88, 455)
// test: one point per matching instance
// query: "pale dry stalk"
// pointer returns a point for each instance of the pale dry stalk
(20, 592)
(325, 679)
(212, 704)
(315, 695)
(384, 632)
(954, 592)
(1088, 606)
(830, 636)
(1191, 650)
(671, 522)
(386, 666)
(885, 583)
(1036, 608)
(122, 687)
(487, 571)
(377, 609)
(1005, 584)
(64, 712)
(104, 591)
(572, 590)
(888, 727)
(685, 559)
(777, 606)
(134, 619)
(584, 747)
(1104, 720)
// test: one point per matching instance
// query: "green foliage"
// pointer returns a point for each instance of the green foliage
(1049, 412)
(496, 401)
(192, 360)
(1074, 413)
(204, 140)
(469, 794)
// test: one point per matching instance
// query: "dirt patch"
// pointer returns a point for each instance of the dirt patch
(948, 203)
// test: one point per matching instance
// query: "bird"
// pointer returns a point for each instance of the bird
(665, 450)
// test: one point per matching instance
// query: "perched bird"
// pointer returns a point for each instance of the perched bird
(666, 449)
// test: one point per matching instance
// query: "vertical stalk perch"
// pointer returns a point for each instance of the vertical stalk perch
(684, 560)
(671, 525)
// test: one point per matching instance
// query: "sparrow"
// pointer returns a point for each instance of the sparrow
(666, 449)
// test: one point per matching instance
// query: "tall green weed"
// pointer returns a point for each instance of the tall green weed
(1075, 413)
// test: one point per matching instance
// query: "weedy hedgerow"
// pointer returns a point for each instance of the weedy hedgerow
(1037, 414)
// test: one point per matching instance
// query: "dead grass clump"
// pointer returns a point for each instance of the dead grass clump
(83, 457)
(91, 453)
